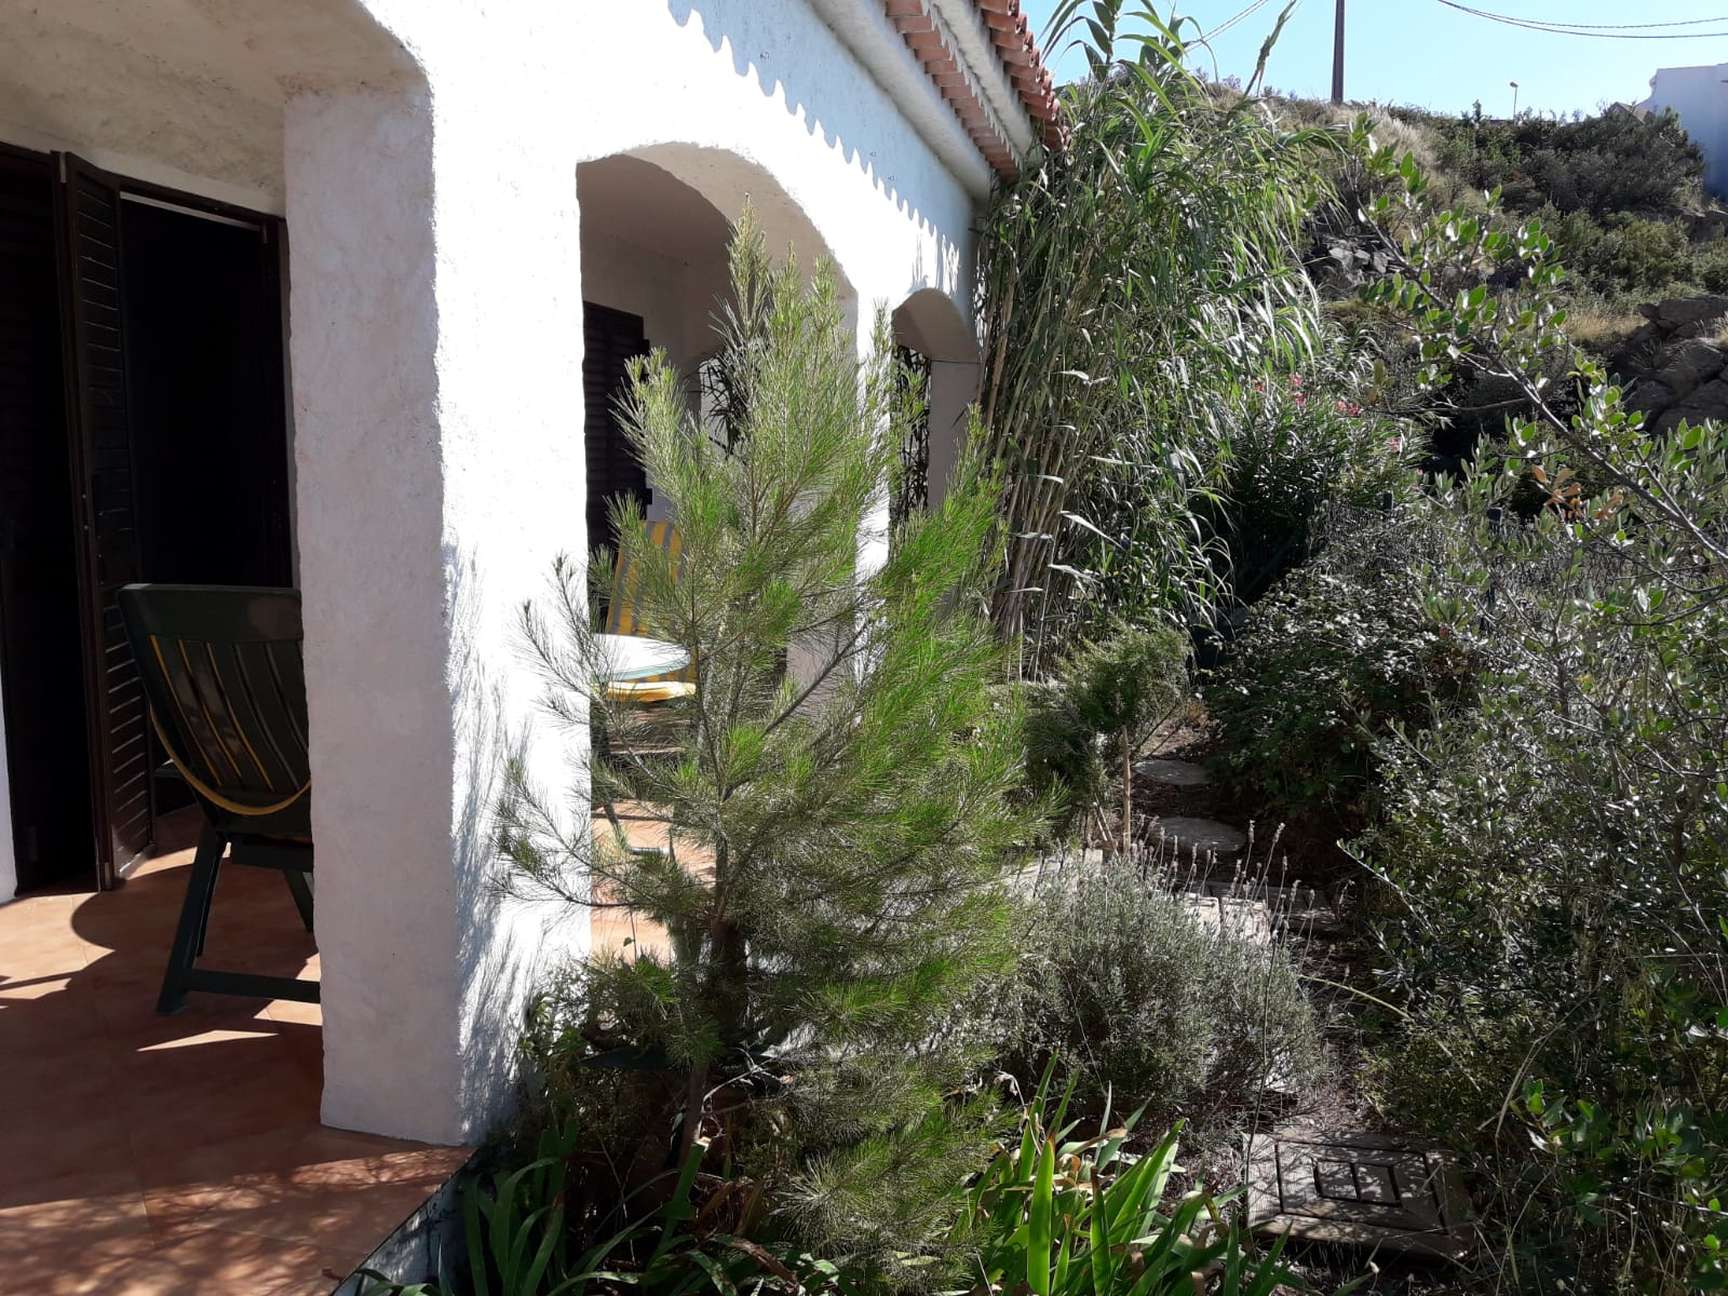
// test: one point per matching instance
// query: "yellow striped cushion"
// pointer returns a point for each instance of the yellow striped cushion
(624, 618)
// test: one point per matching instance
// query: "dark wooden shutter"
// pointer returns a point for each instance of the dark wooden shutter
(40, 660)
(105, 507)
(610, 340)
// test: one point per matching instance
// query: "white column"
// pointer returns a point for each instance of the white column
(436, 349)
(953, 390)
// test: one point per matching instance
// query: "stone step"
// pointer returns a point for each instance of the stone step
(1208, 836)
(1174, 773)
(1231, 916)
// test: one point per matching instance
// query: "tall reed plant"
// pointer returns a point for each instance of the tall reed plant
(1124, 283)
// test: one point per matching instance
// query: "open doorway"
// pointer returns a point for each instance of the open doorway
(204, 363)
(142, 437)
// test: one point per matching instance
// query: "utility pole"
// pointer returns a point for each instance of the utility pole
(1338, 56)
(1514, 101)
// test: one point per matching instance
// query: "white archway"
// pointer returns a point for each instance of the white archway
(930, 326)
(657, 225)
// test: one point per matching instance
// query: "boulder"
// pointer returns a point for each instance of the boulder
(1204, 836)
(1649, 396)
(1662, 424)
(1708, 225)
(1705, 328)
(1685, 366)
(1173, 773)
(1678, 312)
(1709, 402)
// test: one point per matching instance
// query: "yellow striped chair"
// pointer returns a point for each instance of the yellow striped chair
(623, 617)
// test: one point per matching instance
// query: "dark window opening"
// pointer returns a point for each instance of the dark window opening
(610, 340)
(912, 377)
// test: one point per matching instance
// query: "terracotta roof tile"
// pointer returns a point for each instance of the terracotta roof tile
(1011, 34)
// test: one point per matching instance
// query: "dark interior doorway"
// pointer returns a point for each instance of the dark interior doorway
(41, 655)
(143, 436)
(204, 364)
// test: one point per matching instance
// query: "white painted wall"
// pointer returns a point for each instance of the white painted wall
(425, 154)
(1699, 95)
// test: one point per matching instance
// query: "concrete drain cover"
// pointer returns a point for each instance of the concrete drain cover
(1358, 1189)
(1207, 836)
(1175, 773)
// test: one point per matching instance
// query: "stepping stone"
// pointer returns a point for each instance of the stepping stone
(1175, 773)
(1207, 836)
(1231, 916)
(1358, 1189)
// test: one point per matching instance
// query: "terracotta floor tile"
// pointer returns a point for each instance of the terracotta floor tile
(80, 1273)
(142, 1154)
(42, 952)
(291, 1012)
(35, 1151)
(224, 1261)
(77, 1209)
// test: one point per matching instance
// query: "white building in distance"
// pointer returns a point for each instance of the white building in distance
(1699, 97)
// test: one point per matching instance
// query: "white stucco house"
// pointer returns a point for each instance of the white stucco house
(1699, 97)
(334, 293)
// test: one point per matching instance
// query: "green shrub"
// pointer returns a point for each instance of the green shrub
(1085, 728)
(519, 1241)
(1610, 162)
(1296, 446)
(1553, 860)
(1122, 987)
(1344, 651)
(1710, 265)
(1640, 255)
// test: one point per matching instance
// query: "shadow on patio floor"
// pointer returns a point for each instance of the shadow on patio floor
(143, 1154)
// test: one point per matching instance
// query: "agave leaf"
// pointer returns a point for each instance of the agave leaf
(1040, 1222)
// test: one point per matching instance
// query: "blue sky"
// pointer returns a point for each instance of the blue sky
(1421, 52)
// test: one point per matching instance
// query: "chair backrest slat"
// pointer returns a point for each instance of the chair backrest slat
(286, 745)
(222, 669)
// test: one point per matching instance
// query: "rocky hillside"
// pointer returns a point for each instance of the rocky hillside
(1674, 365)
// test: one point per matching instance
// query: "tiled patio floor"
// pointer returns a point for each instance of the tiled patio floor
(617, 931)
(144, 1154)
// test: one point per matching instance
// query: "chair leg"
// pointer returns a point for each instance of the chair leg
(209, 902)
(301, 885)
(194, 919)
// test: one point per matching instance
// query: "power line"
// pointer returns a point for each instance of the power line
(1599, 31)
(1673, 22)
(1228, 23)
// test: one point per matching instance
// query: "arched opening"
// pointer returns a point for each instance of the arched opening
(936, 342)
(656, 227)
